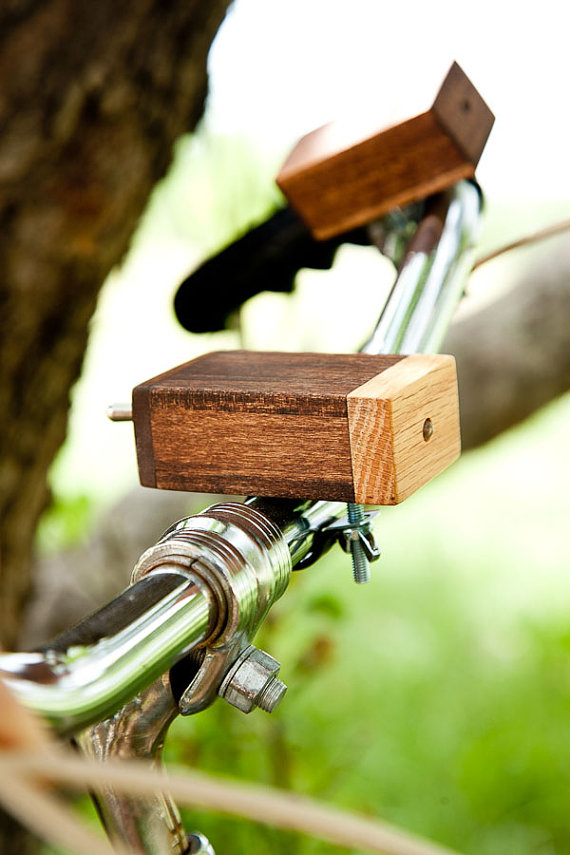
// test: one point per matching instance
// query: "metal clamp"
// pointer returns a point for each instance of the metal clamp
(344, 532)
(347, 532)
(242, 557)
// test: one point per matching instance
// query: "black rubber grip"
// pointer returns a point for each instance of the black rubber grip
(266, 258)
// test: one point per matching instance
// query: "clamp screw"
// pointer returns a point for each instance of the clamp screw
(360, 566)
(252, 682)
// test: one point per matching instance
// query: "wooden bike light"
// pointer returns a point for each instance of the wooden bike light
(337, 181)
(356, 428)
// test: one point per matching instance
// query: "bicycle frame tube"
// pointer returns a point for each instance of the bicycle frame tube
(150, 824)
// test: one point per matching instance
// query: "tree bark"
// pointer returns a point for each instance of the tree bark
(93, 97)
(513, 356)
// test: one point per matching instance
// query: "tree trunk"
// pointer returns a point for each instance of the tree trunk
(93, 96)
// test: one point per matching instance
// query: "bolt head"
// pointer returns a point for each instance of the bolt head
(247, 679)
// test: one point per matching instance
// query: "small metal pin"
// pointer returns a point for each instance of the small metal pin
(120, 412)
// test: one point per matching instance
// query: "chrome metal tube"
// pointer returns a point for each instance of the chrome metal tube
(244, 558)
(431, 279)
(211, 578)
(88, 673)
(150, 824)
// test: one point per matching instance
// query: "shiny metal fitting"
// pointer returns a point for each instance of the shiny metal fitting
(240, 559)
(243, 558)
(252, 682)
(198, 844)
(120, 412)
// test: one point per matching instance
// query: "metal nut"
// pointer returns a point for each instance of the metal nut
(252, 682)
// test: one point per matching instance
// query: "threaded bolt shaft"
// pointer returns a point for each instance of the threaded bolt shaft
(272, 695)
(360, 566)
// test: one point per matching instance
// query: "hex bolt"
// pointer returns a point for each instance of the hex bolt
(360, 566)
(252, 682)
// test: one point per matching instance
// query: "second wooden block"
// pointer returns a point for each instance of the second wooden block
(358, 428)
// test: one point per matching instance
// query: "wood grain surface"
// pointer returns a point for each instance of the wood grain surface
(391, 457)
(336, 182)
(297, 425)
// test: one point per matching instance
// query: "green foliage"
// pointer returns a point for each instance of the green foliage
(65, 522)
(402, 710)
(216, 189)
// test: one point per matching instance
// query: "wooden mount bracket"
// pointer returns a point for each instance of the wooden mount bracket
(356, 427)
(337, 179)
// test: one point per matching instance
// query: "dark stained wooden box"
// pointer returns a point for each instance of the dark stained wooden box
(338, 178)
(301, 425)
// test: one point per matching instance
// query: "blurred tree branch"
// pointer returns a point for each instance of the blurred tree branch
(513, 356)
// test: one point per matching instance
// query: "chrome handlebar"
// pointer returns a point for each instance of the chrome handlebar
(208, 583)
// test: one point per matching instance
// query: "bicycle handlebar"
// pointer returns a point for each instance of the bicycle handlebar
(208, 582)
(88, 673)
